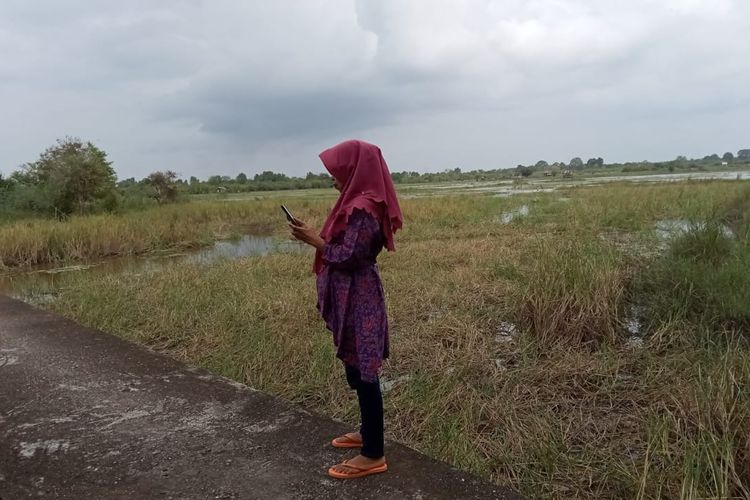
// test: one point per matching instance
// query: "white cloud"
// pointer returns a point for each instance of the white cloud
(221, 87)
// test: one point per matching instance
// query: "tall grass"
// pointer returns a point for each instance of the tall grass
(190, 225)
(573, 291)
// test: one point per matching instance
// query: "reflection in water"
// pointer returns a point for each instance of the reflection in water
(247, 245)
(42, 282)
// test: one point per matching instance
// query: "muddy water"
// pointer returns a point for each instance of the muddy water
(47, 279)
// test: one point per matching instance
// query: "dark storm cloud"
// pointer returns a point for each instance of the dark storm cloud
(206, 87)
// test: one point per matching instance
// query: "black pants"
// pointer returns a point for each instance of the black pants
(371, 411)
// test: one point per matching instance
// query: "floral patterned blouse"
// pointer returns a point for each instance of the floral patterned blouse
(350, 295)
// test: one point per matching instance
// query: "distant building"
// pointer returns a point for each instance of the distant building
(724, 164)
(221, 189)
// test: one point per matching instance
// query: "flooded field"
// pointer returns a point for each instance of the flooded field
(38, 282)
(522, 186)
(576, 338)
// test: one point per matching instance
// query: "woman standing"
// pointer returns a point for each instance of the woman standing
(350, 293)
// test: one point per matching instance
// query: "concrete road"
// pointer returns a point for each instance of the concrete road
(84, 414)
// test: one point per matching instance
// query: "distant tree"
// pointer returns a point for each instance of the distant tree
(72, 174)
(126, 183)
(214, 179)
(713, 157)
(241, 178)
(728, 156)
(743, 154)
(576, 163)
(269, 176)
(5, 184)
(541, 164)
(163, 185)
(681, 159)
(194, 180)
(524, 171)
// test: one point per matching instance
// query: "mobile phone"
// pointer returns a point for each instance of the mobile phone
(289, 215)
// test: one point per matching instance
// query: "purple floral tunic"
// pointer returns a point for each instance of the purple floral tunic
(350, 295)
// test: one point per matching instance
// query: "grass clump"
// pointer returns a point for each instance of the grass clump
(573, 292)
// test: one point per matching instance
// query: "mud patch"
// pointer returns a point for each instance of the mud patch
(48, 447)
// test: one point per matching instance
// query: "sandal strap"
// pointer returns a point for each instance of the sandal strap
(348, 437)
(346, 463)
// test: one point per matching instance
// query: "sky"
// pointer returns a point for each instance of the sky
(228, 86)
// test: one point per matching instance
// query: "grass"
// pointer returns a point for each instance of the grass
(182, 226)
(565, 408)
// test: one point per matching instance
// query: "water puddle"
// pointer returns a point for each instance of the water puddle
(668, 229)
(508, 217)
(42, 282)
(633, 325)
(246, 246)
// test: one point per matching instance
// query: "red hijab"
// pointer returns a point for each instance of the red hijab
(360, 168)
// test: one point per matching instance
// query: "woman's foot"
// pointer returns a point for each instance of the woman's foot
(358, 466)
(348, 440)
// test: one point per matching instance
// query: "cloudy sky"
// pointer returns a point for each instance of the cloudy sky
(227, 86)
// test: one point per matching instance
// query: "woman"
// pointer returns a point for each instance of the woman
(350, 293)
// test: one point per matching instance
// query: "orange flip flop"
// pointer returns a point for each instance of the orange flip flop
(347, 441)
(356, 471)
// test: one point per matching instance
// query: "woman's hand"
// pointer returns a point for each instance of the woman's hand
(302, 232)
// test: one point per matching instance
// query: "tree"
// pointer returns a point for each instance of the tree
(524, 171)
(576, 163)
(269, 176)
(713, 157)
(73, 174)
(681, 159)
(728, 156)
(163, 184)
(5, 184)
(743, 154)
(241, 178)
(541, 164)
(594, 163)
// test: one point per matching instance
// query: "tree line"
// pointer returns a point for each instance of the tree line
(73, 176)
